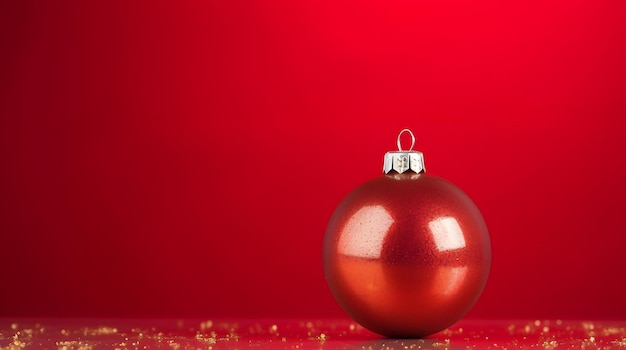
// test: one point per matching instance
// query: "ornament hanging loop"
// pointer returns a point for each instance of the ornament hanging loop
(412, 139)
(404, 160)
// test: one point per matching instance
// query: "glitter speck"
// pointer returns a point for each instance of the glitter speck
(511, 328)
(546, 329)
(537, 323)
(527, 329)
(445, 344)
(588, 325)
(206, 325)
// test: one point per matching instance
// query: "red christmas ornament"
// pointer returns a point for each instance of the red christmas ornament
(406, 254)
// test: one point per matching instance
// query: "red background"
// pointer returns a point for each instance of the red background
(183, 158)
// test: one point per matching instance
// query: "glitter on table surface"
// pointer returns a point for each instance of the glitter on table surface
(215, 334)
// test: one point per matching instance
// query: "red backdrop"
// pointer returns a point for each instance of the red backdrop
(183, 158)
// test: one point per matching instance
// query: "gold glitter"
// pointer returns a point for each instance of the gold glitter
(206, 325)
(511, 328)
(322, 337)
(537, 323)
(613, 330)
(621, 343)
(550, 344)
(588, 326)
(73, 345)
(549, 335)
(13, 326)
(445, 343)
(17, 344)
(99, 331)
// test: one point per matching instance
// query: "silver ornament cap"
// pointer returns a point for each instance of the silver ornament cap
(402, 161)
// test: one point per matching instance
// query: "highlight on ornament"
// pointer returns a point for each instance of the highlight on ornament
(406, 254)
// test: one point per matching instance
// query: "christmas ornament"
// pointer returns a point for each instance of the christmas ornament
(406, 254)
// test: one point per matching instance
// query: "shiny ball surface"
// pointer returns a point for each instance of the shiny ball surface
(406, 255)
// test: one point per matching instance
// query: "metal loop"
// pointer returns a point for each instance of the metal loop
(412, 139)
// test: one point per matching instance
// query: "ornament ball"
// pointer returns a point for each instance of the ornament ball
(406, 254)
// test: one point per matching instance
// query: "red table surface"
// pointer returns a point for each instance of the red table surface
(301, 334)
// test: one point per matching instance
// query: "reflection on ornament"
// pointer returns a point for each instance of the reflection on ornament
(447, 233)
(451, 278)
(365, 243)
